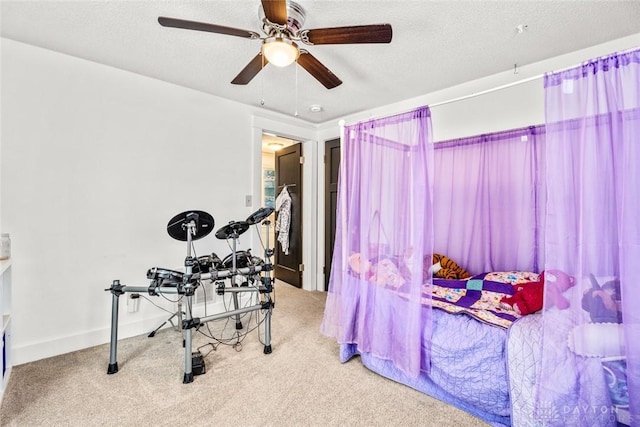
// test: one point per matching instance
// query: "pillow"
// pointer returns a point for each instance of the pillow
(597, 340)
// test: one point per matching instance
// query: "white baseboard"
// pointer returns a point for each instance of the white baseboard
(30, 352)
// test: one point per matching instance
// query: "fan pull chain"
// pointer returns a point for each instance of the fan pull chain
(262, 83)
(296, 112)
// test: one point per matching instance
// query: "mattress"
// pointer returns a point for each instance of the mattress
(578, 395)
(468, 367)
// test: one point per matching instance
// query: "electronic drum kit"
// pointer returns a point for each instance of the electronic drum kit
(188, 227)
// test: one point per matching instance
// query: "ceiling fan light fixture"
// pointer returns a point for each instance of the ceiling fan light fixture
(282, 24)
(280, 51)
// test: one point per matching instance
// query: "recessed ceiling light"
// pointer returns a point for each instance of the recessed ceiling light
(275, 146)
(315, 108)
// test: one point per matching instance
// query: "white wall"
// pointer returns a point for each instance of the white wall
(95, 162)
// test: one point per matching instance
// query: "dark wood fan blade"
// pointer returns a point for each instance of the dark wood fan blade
(317, 70)
(275, 11)
(250, 71)
(378, 33)
(202, 26)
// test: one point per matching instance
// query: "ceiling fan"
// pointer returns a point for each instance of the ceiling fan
(282, 23)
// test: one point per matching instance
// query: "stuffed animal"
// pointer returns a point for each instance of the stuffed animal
(396, 270)
(603, 302)
(359, 265)
(557, 282)
(529, 297)
(384, 271)
(443, 267)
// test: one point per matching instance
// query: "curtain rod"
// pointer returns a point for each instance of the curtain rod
(529, 79)
(342, 123)
(483, 92)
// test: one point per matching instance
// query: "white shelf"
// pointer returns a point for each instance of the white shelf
(5, 335)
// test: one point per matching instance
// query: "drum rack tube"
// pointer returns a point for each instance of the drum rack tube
(116, 290)
(189, 322)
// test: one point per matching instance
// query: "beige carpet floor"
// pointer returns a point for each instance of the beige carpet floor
(301, 383)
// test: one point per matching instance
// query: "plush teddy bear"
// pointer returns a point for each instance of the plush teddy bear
(384, 271)
(443, 267)
(359, 265)
(603, 302)
(557, 282)
(529, 297)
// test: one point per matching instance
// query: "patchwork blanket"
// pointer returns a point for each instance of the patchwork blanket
(479, 296)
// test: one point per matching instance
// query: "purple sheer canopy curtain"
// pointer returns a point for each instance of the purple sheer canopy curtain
(384, 230)
(487, 195)
(590, 373)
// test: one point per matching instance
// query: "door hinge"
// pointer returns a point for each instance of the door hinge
(301, 160)
(301, 267)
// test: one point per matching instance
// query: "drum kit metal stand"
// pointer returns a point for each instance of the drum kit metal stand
(190, 226)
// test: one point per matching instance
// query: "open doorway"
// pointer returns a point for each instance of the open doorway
(282, 173)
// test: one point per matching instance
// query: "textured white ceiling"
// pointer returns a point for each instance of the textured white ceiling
(436, 44)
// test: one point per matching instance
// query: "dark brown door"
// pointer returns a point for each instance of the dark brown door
(331, 168)
(289, 175)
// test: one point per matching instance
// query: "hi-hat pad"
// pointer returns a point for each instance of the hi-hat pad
(233, 229)
(177, 227)
(259, 215)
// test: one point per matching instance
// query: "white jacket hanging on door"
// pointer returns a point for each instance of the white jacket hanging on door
(283, 221)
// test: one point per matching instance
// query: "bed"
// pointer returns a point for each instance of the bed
(561, 195)
(485, 358)
(469, 371)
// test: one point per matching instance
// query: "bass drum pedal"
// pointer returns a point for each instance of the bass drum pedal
(197, 364)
